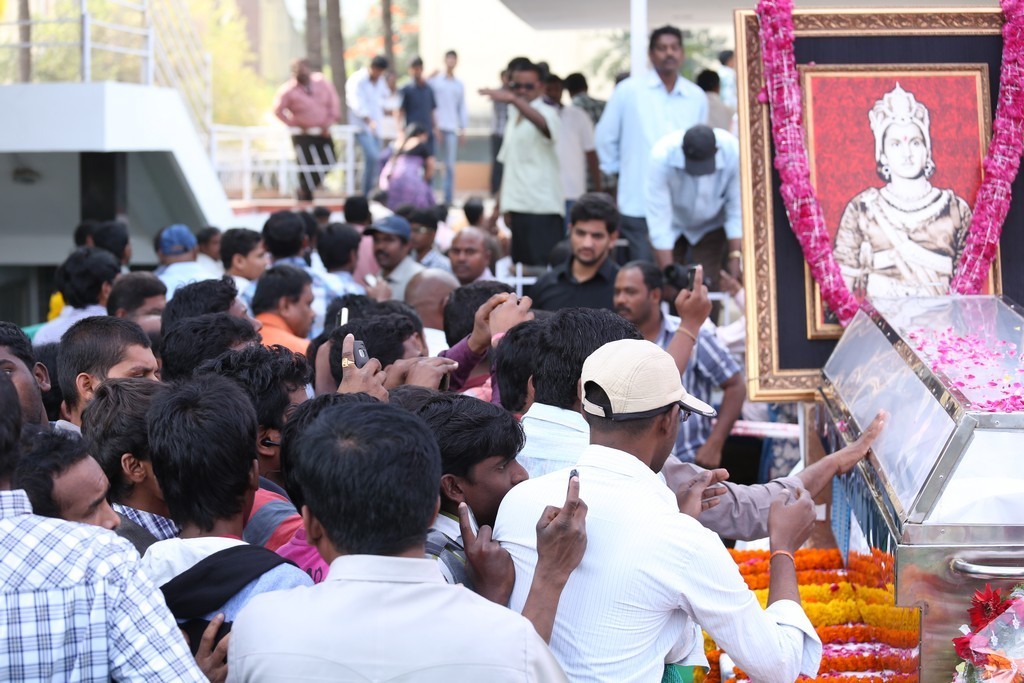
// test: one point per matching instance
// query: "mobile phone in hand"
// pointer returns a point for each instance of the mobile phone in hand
(691, 279)
(359, 354)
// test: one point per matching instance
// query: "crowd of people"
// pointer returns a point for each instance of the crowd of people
(322, 450)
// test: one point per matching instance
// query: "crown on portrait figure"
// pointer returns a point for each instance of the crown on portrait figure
(898, 106)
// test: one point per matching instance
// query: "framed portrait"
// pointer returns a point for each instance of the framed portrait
(879, 180)
(946, 63)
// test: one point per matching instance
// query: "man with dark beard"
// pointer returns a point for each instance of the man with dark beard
(587, 279)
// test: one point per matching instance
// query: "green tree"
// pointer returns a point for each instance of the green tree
(240, 95)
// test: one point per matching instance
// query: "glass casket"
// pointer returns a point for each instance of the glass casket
(943, 489)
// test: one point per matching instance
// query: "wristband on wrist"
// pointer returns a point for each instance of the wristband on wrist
(784, 553)
(689, 334)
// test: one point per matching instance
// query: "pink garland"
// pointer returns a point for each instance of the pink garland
(1001, 162)
(782, 92)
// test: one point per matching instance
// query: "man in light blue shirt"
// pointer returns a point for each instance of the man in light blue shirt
(451, 118)
(643, 109)
(365, 92)
(693, 200)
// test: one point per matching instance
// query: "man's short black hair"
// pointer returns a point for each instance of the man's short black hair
(553, 78)
(204, 235)
(114, 422)
(469, 431)
(411, 397)
(514, 360)
(321, 212)
(595, 206)
(81, 277)
(708, 80)
(566, 340)
(664, 31)
(338, 245)
(425, 217)
(310, 225)
(370, 474)
(202, 443)
(358, 305)
(416, 61)
(383, 335)
(45, 455)
(195, 340)
(297, 424)
(575, 83)
(278, 281)
(112, 236)
(451, 53)
(283, 234)
(654, 278)
(131, 290)
(83, 232)
(268, 375)
(474, 210)
(527, 65)
(10, 426)
(47, 355)
(357, 210)
(460, 309)
(17, 343)
(401, 308)
(238, 241)
(199, 298)
(725, 55)
(94, 345)
(380, 62)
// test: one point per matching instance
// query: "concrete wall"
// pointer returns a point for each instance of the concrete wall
(37, 220)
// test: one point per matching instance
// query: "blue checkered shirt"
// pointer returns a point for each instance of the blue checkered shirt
(161, 527)
(710, 366)
(75, 606)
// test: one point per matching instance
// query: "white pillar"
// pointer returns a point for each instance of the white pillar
(637, 37)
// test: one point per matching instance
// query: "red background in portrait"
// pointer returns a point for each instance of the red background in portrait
(842, 145)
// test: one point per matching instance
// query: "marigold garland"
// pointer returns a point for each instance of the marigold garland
(783, 93)
(853, 611)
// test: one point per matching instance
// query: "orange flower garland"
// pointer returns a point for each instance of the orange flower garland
(853, 611)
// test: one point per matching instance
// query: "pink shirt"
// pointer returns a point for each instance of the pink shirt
(299, 108)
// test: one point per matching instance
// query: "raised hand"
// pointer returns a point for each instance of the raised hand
(847, 457)
(790, 520)
(702, 492)
(562, 536)
(368, 379)
(490, 566)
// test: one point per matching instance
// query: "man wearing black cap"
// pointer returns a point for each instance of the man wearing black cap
(693, 200)
(391, 248)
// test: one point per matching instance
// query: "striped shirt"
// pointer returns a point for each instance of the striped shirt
(76, 607)
(161, 527)
(710, 366)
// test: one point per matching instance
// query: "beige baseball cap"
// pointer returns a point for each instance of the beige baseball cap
(640, 379)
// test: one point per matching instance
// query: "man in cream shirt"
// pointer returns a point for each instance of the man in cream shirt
(652, 576)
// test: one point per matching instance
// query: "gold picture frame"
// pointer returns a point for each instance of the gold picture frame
(791, 371)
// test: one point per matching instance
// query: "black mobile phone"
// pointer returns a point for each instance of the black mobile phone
(359, 354)
(573, 473)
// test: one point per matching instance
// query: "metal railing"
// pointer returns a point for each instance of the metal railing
(151, 42)
(260, 162)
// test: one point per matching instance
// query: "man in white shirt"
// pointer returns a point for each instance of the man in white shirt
(531, 186)
(85, 279)
(370, 476)
(365, 92)
(652, 577)
(452, 119)
(576, 155)
(177, 248)
(642, 109)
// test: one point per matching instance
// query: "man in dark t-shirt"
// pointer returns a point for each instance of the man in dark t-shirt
(418, 103)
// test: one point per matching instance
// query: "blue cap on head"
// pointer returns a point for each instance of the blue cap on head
(176, 240)
(392, 225)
